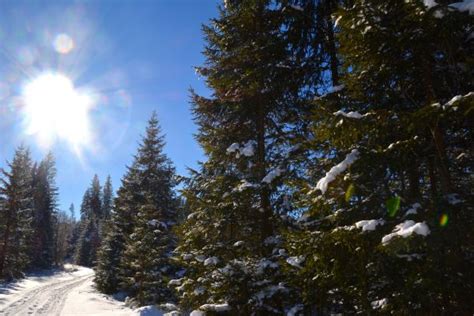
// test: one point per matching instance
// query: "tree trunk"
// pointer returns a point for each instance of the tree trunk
(414, 181)
(331, 43)
(6, 237)
(432, 175)
(436, 132)
(266, 212)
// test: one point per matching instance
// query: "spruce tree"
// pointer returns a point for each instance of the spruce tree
(17, 215)
(259, 72)
(388, 177)
(45, 200)
(148, 249)
(107, 199)
(91, 221)
(108, 270)
(136, 253)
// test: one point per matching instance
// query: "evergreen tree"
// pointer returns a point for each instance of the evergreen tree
(72, 211)
(147, 252)
(17, 215)
(136, 253)
(107, 199)
(63, 233)
(91, 221)
(260, 72)
(74, 237)
(388, 177)
(45, 200)
(108, 271)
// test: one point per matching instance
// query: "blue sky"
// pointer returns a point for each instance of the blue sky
(132, 56)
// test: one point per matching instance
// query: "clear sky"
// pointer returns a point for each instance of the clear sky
(127, 58)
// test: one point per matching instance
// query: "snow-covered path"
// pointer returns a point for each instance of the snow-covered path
(62, 293)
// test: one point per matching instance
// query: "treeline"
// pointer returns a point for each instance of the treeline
(33, 233)
(95, 211)
(338, 176)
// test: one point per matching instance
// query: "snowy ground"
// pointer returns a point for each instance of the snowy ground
(69, 292)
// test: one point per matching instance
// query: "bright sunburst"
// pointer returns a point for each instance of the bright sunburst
(55, 110)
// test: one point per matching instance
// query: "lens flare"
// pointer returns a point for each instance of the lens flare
(55, 110)
(63, 43)
(443, 220)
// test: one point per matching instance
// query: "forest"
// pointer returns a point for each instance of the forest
(337, 179)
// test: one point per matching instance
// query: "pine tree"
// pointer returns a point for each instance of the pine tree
(17, 215)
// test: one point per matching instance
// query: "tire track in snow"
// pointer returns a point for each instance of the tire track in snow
(48, 299)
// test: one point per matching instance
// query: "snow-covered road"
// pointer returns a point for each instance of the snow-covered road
(61, 293)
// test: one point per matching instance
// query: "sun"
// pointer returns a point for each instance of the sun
(54, 110)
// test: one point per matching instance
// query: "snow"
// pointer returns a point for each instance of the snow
(369, 225)
(379, 303)
(272, 240)
(453, 199)
(211, 261)
(265, 264)
(70, 292)
(410, 257)
(270, 291)
(192, 215)
(244, 184)
(147, 311)
(199, 290)
(238, 243)
(413, 209)
(296, 7)
(215, 307)
(461, 155)
(153, 222)
(296, 261)
(429, 3)
(187, 256)
(407, 228)
(175, 282)
(331, 90)
(336, 88)
(272, 175)
(322, 184)
(248, 149)
(197, 313)
(200, 258)
(466, 5)
(351, 114)
(157, 223)
(233, 148)
(454, 100)
(294, 310)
